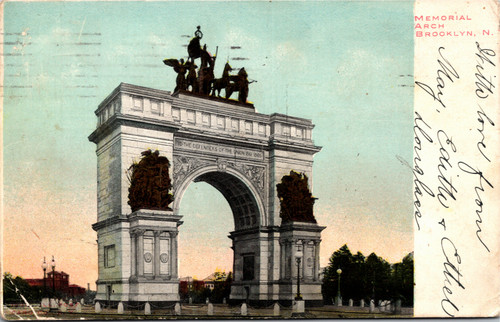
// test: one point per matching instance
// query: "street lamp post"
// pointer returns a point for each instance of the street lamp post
(44, 267)
(298, 259)
(53, 265)
(339, 299)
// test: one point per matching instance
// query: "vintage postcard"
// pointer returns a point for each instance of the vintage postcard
(250, 159)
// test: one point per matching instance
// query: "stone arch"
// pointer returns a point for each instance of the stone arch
(243, 198)
(240, 152)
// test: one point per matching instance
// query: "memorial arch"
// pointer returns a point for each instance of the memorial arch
(227, 144)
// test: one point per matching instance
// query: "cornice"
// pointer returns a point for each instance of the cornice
(134, 90)
(294, 146)
(131, 120)
(109, 222)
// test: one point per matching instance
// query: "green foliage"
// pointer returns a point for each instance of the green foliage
(222, 288)
(198, 292)
(13, 288)
(368, 278)
(89, 296)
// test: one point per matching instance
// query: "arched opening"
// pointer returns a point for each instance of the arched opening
(204, 245)
(237, 194)
(203, 242)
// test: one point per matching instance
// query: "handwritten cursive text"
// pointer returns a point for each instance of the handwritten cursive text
(451, 275)
(446, 70)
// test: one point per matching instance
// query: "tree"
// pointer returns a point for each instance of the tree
(342, 259)
(378, 273)
(222, 287)
(368, 278)
(13, 288)
(403, 280)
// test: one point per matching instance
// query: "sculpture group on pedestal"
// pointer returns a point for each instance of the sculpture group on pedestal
(296, 200)
(203, 81)
(150, 183)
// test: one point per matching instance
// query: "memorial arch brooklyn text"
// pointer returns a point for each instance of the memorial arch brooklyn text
(225, 143)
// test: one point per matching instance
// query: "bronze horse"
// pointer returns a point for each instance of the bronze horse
(221, 83)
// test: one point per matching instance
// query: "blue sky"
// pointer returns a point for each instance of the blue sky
(346, 65)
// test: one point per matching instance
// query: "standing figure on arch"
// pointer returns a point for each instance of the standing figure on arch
(239, 83)
(206, 71)
(194, 47)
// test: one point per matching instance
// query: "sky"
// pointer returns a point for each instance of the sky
(347, 66)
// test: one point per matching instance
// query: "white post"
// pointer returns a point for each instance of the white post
(120, 308)
(98, 308)
(45, 303)
(244, 309)
(276, 310)
(147, 309)
(210, 310)
(372, 306)
(177, 309)
(397, 309)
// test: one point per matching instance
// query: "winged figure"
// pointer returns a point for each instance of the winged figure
(180, 67)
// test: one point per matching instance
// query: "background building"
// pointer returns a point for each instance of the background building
(58, 281)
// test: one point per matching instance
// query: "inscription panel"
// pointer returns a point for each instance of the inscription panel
(218, 149)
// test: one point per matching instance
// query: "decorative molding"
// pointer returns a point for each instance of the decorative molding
(148, 257)
(164, 258)
(253, 173)
(185, 165)
(221, 165)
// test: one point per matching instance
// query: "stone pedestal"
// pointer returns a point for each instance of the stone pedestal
(305, 238)
(146, 242)
(298, 308)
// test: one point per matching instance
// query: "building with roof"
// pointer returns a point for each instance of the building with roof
(58, 281)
